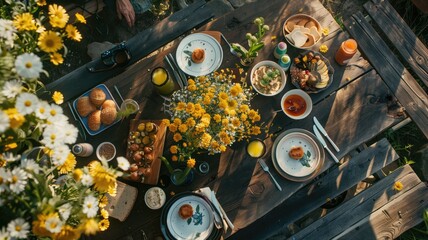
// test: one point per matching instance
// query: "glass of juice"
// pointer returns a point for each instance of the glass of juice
(162, 81)
(256, 148)
(130, 106)
(346, 51)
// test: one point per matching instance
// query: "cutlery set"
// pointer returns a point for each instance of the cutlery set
(318, 129)
(179, 75)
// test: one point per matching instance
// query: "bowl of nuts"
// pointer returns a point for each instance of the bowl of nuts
(106, 151)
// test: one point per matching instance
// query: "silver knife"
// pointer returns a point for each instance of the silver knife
(180, 72)
(176, 75)
(324, 132)
(221, 210)
(324, 144)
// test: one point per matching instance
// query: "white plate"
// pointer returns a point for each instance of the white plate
(213, 54)
(199, 227)
(294, 167)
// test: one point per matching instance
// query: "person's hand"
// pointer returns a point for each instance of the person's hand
(125, 10)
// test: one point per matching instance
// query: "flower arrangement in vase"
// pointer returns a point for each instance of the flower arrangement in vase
(210, 114)
(255, 43)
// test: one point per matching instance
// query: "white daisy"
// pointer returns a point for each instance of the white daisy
(90, 206)
(4, 176)
(64, 211)
(18, 228)
(70, 133)
(52, 137)
(7, 31)
(17, 180)
(55, 113)
(42, 110)
(123, 163)
(4, 235)
(26, 103)
(53, 224)
(31, 166)
(4, 121)
(12, 88)
(60, 154)
(87, 180)
(10, 157)
(28, 65)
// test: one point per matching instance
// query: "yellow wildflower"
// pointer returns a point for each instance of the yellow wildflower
(235, 90)
(58, 97)
(104, 224)
(49, 41)
(191, 163)
(191, 82)
(190, 108)
(217, 118)
(177, 137)
(68, 233)
(104, 213)
(244, 108)
(191, 88)
(103, 201)
(180, 106)
(172, 128)
(15, 118)
(222, 104)
(223, 96)
(225, 122)
(323, 48)
(73, 33)
(236, 122)
(77, 174)
(104, 180)
(244, 117)
(398, 186)
(190, 122)
(69, 164)
(166, 122)
(325, 31)
(10, 146)
(174, 158)
(205, 140)
(255, 130)
(80, 18)
(56, 58)
(41, 3)
(89, 227)
(24, 22)
(173, 149)
(39, 227)
(177, 121)
(183, 128)
(58, 11)
(57, 21)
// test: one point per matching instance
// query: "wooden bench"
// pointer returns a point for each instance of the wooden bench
(394, 73)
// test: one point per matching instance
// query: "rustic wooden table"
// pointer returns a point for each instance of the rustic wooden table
(354, 109)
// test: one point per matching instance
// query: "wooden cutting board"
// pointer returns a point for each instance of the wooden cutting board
(158, 146)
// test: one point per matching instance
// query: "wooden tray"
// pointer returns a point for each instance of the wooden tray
(158, 146)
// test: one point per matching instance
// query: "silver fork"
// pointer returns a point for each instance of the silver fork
(266, 169)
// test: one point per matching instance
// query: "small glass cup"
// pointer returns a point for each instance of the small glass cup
(130, 105)
(204, 168)
(256, 148)
(162, 81)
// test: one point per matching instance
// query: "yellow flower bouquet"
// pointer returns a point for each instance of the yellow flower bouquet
(42, 193)
(211, 113)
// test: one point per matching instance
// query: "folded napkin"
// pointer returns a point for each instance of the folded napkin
(209, 194)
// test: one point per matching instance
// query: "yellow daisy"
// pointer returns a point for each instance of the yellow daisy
(172, 128)
(398, 186)
(103, 201)
(15, 118)
(191, 163)
(57, 21)
(57, 10)
(56, 58)
(49, 41)
(24, 22)
(58, 97)
(217, 118)
(73, 33)
(104, 213)
(77, 174)
(68, 233)
(69, 164)
(80, 18)
(173, 149)
(104, 224)
(183, 128)
(41, 3)
(89, 227)
(223, 96)
(104, 180)
(323, 48)
(177, 137)
(180, 106)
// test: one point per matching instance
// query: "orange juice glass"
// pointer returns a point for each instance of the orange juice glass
(162, 82)
(346, 51)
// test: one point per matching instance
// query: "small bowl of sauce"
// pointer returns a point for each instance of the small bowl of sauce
(296, 104)
(256, 148)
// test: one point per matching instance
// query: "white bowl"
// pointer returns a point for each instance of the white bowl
(99, 156)
(269, 64)
(158, 193)
(305, 97)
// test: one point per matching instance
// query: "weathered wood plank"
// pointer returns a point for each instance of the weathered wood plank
(399, 33)
(399, 80)
(313, 195)
(362, 101)
(376, 198)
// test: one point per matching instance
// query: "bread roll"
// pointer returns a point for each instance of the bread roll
(185, 211)
(296, 153)
(108, 104)
(198, 55)
(84, 106)
(94, 120)
(108, 115)
(97, 96)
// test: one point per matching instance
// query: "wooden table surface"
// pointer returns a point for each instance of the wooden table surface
(354, 109)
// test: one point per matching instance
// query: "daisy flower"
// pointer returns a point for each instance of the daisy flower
(58, 22)
(42, 110)
(24, 22)
(54, 113)
(104, 224)
(4, 175)
(57, 10)
(73, 33)
(50, 41)
(58, 97)
(398, 186)
(60, 155)
(53, 224)
(26, 103)
(4, 121)
(64, 211)
(12, 88)
(16, 119)
(87, 180)
(56, 58)
(10, 157)
(123, 163)
(28, 65)
(41, 3)
(69, 164)
(17, 180)
(18, 228)
(31, 166)
(90, 206)
(7, 31)
(80, 18)
(4, 235)
(70, 133)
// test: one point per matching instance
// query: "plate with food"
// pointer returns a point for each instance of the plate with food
(188, 216)
(97, 109)
(302, 31)
(199, 54)
(268, 78)
(297, 155)
(311, 72)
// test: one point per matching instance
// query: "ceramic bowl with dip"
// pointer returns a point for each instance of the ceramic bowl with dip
(106, 150)
(155, 198)
(296, 104)
(268, 78)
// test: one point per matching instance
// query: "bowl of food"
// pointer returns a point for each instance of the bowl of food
(311, 72)
(302, 31)
(296, 104)
(268, 78)
(106, 151)
(155, 198)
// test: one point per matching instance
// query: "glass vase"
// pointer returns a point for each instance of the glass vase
(178, 178)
